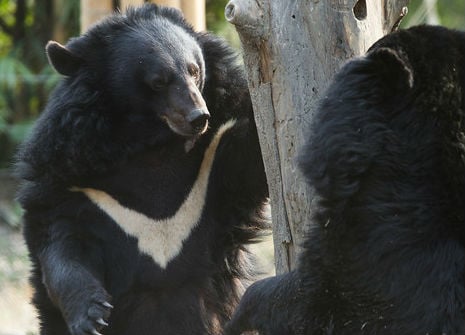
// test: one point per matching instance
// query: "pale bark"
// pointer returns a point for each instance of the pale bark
(124, 4)
(59, 25)
(291, 51)
(169, 3)
(92, 11)
(194, 11)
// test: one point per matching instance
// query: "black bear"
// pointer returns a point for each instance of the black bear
(142, 181)
(385, 253)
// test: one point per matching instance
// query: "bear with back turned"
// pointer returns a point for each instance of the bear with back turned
(385, 253)
(142, 181)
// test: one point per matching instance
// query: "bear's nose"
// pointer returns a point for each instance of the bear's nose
(198, 118)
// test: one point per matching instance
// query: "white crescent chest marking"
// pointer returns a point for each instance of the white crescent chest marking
(163, 239)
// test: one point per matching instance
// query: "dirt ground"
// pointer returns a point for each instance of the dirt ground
(17, 316)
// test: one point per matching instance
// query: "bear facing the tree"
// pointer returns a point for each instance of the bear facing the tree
(142, 181)
(386, 156)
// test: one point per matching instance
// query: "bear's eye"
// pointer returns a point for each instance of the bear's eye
(157, 82)
(194, 71)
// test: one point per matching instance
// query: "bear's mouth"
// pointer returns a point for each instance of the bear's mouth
(183, 127)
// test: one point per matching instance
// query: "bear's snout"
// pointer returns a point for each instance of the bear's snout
(186, 113)
(189, 123)
(198, 119)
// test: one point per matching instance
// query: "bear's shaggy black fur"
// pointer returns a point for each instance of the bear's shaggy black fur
(386, 253)
(138, 202)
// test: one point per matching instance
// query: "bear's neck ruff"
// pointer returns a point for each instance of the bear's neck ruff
(163, 239)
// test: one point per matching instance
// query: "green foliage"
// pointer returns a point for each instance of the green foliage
(14, 72)
(218, 24)
(15, 76)
(6, 13)
(451, 13)
(25, 76)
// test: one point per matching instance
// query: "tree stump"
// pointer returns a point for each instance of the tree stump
(291, 51)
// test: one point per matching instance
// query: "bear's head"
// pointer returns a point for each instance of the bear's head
(145, 67)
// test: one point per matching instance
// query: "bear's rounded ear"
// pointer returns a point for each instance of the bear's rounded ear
(394, 64)
(62, 59)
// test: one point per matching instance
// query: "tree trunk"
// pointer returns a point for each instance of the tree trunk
(123, 4)
(291, 50)
(60, 33)
(169, 3)
(92, 11)
(194, 11)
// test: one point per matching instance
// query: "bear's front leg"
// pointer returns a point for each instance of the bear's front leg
(74, 287)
